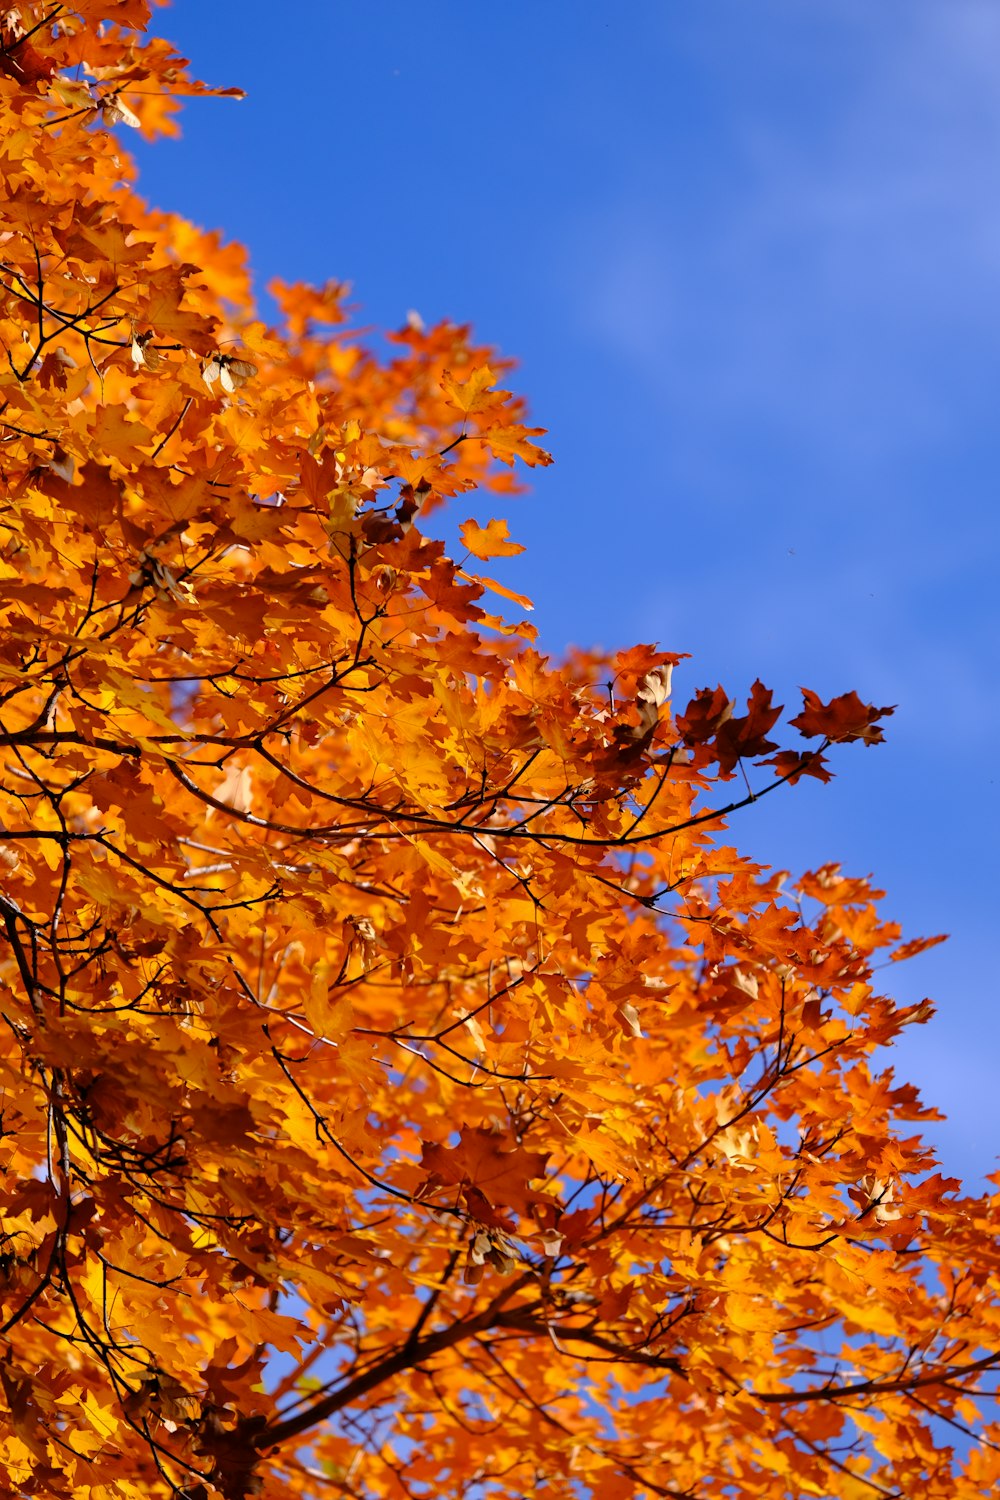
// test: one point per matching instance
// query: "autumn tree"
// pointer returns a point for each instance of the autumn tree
(407, 1089)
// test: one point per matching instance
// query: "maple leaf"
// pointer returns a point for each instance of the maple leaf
(843, 718)
(736, 738)
(704, 715)
(473, 394)
(489, 541)
(510, 440)
(19, 60)
(490, 1178)
(133, 13)
(790, 765)
(157, 302)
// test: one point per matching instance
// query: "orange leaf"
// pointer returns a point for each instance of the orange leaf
(843, 718)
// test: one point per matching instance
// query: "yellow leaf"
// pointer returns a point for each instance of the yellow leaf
(470, 395)
(489, 541)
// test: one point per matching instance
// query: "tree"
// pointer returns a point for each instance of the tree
(407, 1090)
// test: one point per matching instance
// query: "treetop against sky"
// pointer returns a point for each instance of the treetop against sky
(407, 1087)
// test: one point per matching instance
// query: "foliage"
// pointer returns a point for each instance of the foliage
(406, 1090)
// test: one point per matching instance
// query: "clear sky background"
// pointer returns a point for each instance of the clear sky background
(748, 256)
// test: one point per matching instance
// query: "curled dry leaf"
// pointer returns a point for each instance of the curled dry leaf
(652, 693)
(630, 1017)
(360, 935)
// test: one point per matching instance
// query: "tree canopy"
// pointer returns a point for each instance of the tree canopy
(407, 1089)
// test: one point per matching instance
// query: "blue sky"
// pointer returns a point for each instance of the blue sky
(748, 257)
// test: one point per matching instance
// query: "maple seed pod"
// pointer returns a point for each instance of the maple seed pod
(142, 353)
(117, 112)
(230, 372)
